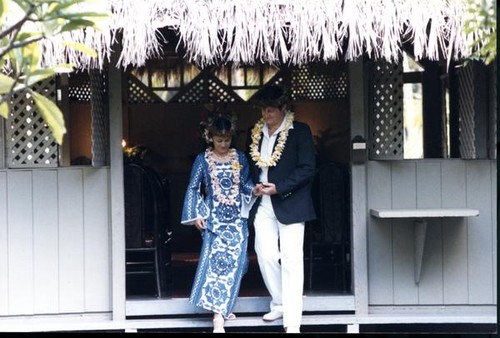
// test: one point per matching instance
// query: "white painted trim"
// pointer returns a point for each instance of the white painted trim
(353, 328)
(181, 306)
(358, 190)
(436, 310)
(102, 322)
(419, 213)
(117, 199)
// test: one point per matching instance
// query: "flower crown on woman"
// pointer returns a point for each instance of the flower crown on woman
(219, 121)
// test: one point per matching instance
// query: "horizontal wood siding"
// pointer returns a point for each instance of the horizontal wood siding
(457, 250)
(54, 241)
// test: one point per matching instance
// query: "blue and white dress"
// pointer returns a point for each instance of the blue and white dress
(223, 257)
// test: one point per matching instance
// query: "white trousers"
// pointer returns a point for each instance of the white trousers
(275, 242)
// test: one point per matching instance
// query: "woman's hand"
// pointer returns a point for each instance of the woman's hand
(200, 224)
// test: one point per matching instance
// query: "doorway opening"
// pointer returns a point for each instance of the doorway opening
(162, 137)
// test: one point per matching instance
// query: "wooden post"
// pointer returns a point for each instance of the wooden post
(117, 189)
(357, 92)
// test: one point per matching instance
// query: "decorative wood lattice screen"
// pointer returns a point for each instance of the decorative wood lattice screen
(278, 80)
(99, 103)
(204, 89)
(386, 116)
(2, 143)
(466, 112)
(139, 93)
(29, 140)
(493, 113)
(319, 82)
(79, 87)
(309, 82)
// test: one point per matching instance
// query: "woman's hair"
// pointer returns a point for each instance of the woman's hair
(220, 126)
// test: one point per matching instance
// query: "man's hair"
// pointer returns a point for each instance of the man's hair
(272, 96)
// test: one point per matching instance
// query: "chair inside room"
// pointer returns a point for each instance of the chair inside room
(147, 231)
(328, 237)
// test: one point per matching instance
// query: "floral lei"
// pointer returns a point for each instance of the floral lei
(278, 150)
(216, 185)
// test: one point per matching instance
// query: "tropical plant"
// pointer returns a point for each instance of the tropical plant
(25, 25)
(481, 22)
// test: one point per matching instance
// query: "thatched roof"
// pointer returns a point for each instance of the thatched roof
(280, 31)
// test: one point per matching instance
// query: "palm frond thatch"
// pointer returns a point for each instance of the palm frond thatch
(273, 31)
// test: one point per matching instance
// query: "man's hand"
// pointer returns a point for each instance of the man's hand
(268, 189)
(257, 190)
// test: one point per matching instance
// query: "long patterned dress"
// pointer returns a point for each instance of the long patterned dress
(223, 257)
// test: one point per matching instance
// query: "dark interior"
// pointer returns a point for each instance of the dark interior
(161, 134)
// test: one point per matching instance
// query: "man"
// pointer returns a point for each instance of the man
(283, 160)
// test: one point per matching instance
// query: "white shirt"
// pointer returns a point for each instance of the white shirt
(266, 150)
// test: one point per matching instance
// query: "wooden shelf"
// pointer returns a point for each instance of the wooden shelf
(420, 225)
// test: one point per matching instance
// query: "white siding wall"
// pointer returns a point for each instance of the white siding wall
(55, 237)
(459, 263)
(54, 241)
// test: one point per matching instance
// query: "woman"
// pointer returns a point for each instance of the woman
(217, 201)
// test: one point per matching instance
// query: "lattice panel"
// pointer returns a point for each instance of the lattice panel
(493, 113)
(79, 87)
(29, 140)
(319, 82)
(206, 89)
(386, 118)
(277, 80)
(444, 122)
(218, 92)
(139, 93)
(99, 89)
(193, 94)
(3, 141)
(466, 112)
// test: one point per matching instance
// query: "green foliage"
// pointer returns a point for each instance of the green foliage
(481, 24)
(20, 52)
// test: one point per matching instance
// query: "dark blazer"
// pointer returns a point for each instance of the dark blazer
(292, 175)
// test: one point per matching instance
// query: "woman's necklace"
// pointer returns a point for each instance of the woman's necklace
(278, 149)
(216, 184)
